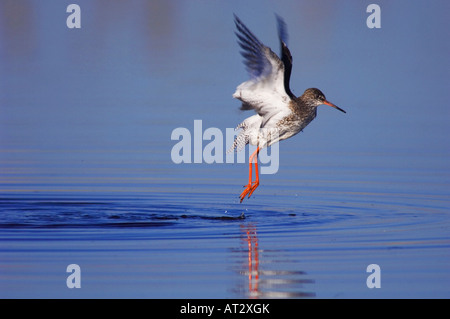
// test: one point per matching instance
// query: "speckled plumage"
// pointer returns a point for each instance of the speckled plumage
(268, 93)
(279, 113)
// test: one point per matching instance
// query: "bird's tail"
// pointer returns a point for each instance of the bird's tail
(241, 139)
(249, 127)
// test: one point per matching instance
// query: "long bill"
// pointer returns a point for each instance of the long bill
(332, 105)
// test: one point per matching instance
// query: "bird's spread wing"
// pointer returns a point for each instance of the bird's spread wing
(286, 56)
(265, 92)
(257, 64)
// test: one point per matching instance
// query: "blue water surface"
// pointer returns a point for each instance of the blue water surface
(87, 177)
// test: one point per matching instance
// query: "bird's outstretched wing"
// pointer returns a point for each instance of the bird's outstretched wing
(286, 56)
(265, 92)
(255, 60)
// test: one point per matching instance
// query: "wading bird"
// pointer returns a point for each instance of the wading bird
(280, 114)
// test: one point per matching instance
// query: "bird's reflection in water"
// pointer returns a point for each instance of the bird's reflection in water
(253, 261)
(260, 270)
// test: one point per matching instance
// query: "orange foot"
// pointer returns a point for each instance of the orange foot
(249, 189)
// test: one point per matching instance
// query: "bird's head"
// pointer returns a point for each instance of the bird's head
(314, 97)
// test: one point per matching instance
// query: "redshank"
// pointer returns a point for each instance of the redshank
(280, 114)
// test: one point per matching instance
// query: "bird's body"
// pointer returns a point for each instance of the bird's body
(280, 114)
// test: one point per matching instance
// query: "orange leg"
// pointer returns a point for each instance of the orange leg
(251, 186)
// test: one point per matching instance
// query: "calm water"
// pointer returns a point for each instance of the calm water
(86, 175)
(296, 238)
